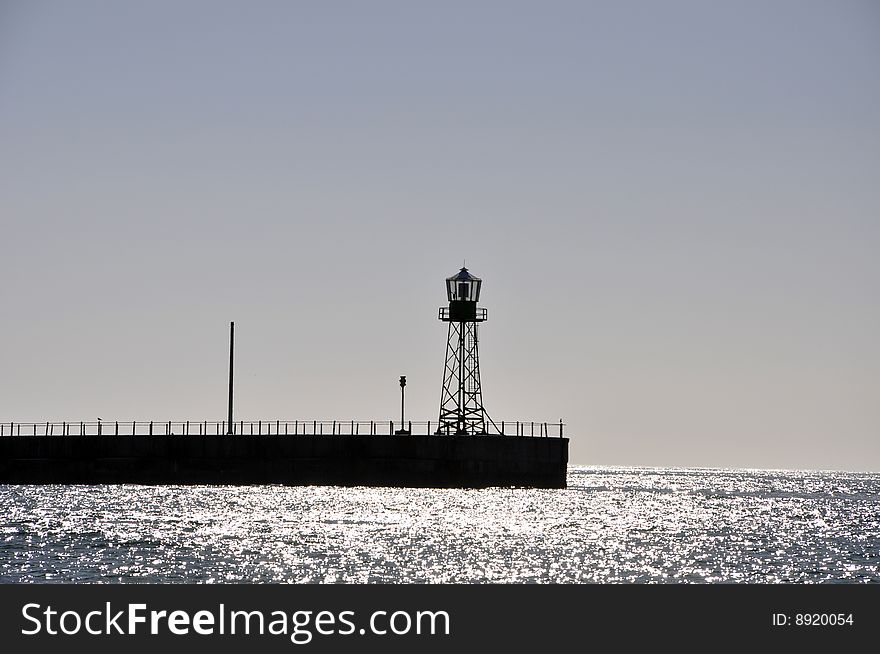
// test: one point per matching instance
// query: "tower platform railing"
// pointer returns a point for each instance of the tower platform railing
(521, 428)
(444, 314)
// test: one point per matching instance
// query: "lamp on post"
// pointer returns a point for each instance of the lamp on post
(402, 429)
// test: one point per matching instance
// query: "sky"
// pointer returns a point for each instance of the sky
(675, 209)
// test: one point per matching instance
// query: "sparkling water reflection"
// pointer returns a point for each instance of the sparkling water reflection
(610, 525)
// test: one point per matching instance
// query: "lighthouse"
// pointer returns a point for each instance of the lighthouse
(461, 400)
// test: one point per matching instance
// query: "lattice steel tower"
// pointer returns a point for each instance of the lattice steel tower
(461, 402)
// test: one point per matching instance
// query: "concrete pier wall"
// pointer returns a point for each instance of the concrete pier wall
(397, 460)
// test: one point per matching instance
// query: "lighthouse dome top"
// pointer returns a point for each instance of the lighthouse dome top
(464, 275)
(463, 287)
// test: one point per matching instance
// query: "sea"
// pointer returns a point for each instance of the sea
(611, 525)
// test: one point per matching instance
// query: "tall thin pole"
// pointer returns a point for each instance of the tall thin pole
(231, 348)
(402, 384)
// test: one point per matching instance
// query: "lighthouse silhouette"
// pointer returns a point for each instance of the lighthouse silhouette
(461, 400)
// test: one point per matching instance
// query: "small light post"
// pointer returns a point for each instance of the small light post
(402, 423)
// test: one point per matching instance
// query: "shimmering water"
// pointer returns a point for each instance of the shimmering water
(610, 525)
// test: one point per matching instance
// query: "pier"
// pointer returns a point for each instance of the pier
(299, 452)
(464, 448)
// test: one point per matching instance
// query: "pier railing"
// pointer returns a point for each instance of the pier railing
(522, 428)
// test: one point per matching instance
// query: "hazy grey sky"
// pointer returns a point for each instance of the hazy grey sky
(675, 208)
